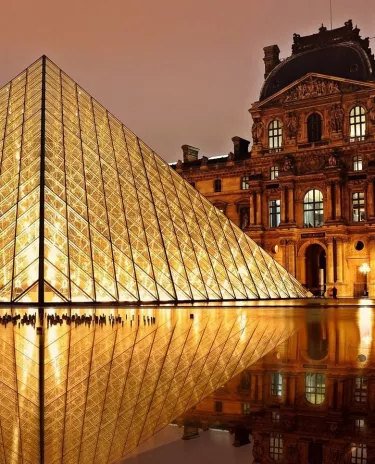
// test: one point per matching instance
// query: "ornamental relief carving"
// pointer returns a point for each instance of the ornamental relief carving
(311, 164)
(312, 87)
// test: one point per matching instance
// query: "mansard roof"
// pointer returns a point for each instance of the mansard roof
(340, 52)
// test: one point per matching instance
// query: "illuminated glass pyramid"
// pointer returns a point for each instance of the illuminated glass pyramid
(89, 213)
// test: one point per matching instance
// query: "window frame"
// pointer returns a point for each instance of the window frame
(316, 389)
(358, 453)
(357, 163)
(361, 390)
(274, 213)
(246, 408)
(218, 407)
(315, 207)
(245, 183)
(358, 206)
(275, 135)
(274, 172)
(314, 127)
(218, 186)
(357, 123)
(276, 448)
(276, 384)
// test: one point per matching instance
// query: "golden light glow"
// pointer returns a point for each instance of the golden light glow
(119, 223)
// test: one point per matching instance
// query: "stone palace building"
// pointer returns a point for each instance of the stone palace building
(305, 190)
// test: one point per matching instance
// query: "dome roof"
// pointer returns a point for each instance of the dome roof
(340, 53)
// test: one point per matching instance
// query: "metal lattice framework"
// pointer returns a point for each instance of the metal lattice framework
(91, 392)
(89, 213)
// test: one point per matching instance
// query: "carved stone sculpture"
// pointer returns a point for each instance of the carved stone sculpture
(337, 118)
(291, 125)
(288, 164)
(312, 87)
(257, 131)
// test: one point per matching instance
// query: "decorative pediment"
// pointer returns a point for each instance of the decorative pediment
(313, 86)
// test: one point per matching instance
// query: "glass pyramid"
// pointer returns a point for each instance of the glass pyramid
(90, 392)
(89, 213)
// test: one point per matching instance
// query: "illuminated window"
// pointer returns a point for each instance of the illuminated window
(315, 385)
(274, 172)
(357, 121)
(274, 213)
(276, 384)
(359, 454)
(246, 408)
(275, 135)
(314, 127)
(359, 425)
(217, 185)
(360, 390)
(357, 163)
(313, 209)
(358, 207)
(276, 446)
(275, 417)
(218, 406)
(245, 182)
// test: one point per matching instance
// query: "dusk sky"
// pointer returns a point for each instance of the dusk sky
(173, 71)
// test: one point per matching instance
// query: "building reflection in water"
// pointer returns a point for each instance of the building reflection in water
(84, 385)
(310, 400)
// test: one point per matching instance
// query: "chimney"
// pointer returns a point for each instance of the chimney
(271, 58)
(240, 146)
(189, 153)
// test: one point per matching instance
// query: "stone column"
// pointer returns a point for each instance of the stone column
(329, 201)
(259, 208)
(338, 200)
(330, 262)
(292, 390)
(283, 205)
(339, 271)
(371, 276)
(291, 204)
(291, 258)
(252, 209)
(370, 199)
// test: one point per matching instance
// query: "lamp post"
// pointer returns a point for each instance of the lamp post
(365, 269)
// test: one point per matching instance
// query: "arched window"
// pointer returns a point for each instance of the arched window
(359, 453)
(314, 127)
(357, 120)
(217, 185)
(313, 209)
(275, 135)
(315, 388)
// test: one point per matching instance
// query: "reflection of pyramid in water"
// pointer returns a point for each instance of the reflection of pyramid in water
(90, 213)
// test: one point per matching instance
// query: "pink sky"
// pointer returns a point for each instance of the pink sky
(174, 71)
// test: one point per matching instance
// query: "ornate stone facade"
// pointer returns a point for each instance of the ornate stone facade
(315, 134)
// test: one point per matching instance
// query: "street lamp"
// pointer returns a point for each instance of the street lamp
(365, 269)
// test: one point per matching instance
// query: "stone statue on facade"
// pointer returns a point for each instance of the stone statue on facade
(337, 118)
(371, 114)
(204, 161)
(332, 160)
(245, 380)
(230, 156)
(288, 164)
(179, 165)
(257, 131)
(245, 220)
(291, 125)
